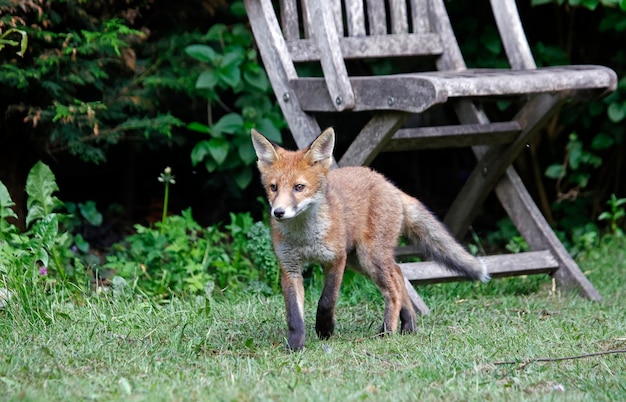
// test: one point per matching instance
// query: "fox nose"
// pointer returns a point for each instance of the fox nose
(279, 212)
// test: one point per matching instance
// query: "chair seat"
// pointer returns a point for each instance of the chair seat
(418, 92)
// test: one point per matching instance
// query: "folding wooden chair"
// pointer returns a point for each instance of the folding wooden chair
(333, 32)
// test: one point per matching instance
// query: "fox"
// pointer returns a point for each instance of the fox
(347, 216)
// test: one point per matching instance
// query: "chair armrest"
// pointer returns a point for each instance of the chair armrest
(326, 37)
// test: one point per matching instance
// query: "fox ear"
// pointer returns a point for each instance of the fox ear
(265, 150)
(321, 150)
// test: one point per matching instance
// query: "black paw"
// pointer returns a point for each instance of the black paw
(324, 329)
(295, 340)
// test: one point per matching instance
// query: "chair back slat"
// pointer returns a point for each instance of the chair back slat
(289, 19)
(420, 16)
(380, 28)
(377, 17)
(398, 16)
(355, 17)
(336, 10)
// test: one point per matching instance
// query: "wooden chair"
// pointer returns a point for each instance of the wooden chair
(333, 33)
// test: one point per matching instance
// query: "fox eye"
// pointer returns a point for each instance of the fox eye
(298, 187)
(273, 188)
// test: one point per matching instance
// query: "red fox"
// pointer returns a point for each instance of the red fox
(348, 215)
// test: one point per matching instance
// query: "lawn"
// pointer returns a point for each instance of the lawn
(480, 342)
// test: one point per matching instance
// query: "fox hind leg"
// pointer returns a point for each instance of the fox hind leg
(407, 312)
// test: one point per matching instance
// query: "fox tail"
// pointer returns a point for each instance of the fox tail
(432, 235)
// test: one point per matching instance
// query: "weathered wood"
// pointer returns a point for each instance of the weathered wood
(355, 17)
(289, 20)
(495, 161)
(398, 14)
(420, 16)
(371, 47)
(280, 69)
(377, 17)
(337, 15)
(418, 303)
(490, 82)
(372, 139)
(335, 73)
(452, 58)
(453, 136)
(539, 235)
(512, 34)
(498, 266)
(407, 93)
(418, 92)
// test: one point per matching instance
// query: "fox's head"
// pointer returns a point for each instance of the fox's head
(294, 180)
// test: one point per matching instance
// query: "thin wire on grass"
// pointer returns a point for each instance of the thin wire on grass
(557, 359)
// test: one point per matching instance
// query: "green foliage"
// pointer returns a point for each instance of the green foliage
(261, 252)
(589, 4)
(23, 43)
(6, 211)
(178, 256)
(591, 136)
(615, 213)
(42, 254)
(80, 85)
(506, 236)
(232, 71)
(579, 163)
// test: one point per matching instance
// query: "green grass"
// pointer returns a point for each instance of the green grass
(101, 348)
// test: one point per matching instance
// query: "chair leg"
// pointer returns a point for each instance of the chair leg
(418, 304)
(373, 138)
(538, 234)
(493, 161)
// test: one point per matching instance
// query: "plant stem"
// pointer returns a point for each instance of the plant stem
(165, 202)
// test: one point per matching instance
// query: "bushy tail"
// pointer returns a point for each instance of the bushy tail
(423, 228)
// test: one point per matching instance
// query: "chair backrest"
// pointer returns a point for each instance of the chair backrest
(365, 29)
(333, 31)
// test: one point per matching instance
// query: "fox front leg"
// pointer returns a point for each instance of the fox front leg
(325, 318)
(293, 292)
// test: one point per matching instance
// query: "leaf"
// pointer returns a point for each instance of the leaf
(5, 204)
(231, 76)
(233, 58)
(81, 243)
(216, 32)
(89, 211)
(199, 152)
(540, 2)
(199, 127)
(207, 79)
(257, 79)
(616, 112)
(243, 178)
(238, 9)
(6, 212)
(202, 53)
(246, 152)
(40, 185)
(47, 230)
(218, 148)
(269, 130)
(556, 171)
(229, 123)
(602, 141)
(210, 165)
